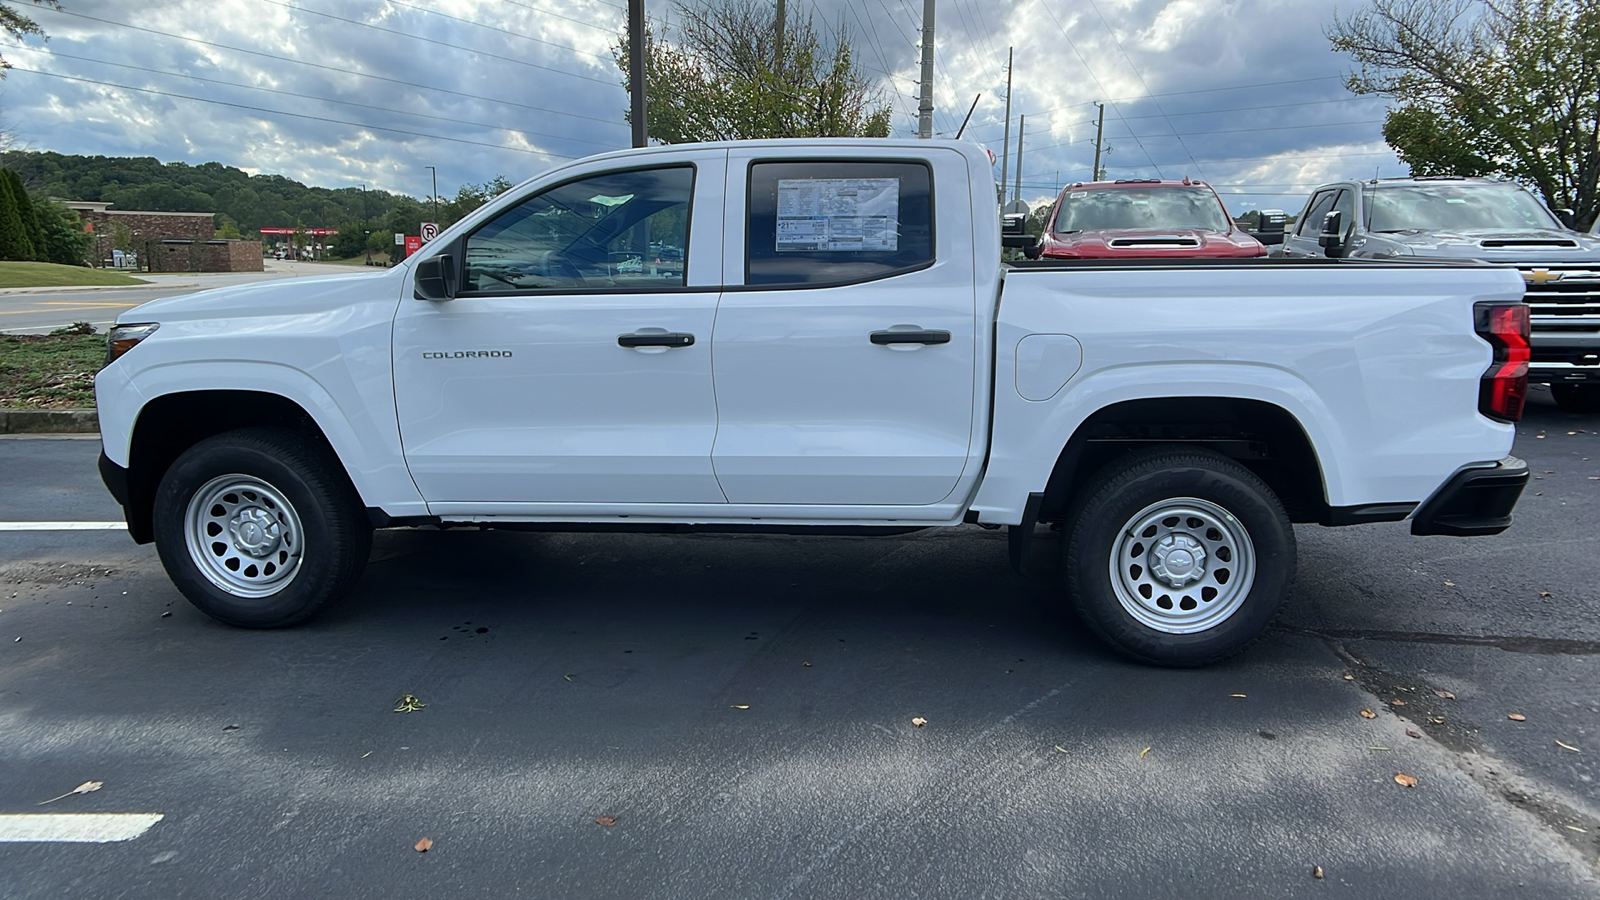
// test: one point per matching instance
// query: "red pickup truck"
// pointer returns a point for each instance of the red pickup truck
(1122, 219)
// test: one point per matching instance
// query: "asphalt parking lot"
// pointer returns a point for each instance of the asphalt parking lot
(739, 710)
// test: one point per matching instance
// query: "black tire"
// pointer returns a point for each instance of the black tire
(1223, 500)
(1577, 398)
(289, 480)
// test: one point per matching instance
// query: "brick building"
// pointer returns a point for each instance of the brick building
(168, 241)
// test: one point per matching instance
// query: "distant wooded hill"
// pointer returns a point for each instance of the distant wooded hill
(246, 201)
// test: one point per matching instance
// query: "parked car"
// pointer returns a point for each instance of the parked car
(1477, 218)
(1142, 218)
(841, 350)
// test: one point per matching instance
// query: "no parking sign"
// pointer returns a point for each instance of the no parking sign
(430, 230)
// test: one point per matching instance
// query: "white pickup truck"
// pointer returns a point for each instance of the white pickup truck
(792, 336)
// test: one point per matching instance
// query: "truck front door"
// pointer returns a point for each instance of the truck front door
(574, 366)
(845, 345)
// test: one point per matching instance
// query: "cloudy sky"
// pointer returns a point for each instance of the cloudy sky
(1242, 93)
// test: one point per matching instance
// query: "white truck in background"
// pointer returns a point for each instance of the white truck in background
(798, 336)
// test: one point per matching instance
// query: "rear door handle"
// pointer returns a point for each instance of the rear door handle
(911, 337)
(656, 339)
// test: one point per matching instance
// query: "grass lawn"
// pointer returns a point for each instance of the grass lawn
(49, 371)
(37, 274)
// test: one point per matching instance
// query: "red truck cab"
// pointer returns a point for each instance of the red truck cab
(1144, 218)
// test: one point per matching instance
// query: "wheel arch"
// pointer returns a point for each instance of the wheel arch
(1263, 437)
(171, 423)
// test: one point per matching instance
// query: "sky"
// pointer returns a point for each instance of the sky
(1244, 94)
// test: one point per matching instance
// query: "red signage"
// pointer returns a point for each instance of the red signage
(413, 243)
(315, 231)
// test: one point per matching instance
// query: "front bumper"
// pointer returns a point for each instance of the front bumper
(1474, 501)
(116, 481)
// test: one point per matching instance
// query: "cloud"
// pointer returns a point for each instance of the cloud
(1244, 93)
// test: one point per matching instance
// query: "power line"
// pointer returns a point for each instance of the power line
(250, 87)
(427, 40)
(1236, 87)
(280, 112)
(1142, 83)
(1096, 79)
(1229, 131)
(506, 31)
(302, 62)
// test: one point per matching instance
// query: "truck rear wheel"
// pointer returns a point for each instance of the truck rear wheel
(1178, 556)
(1577, 398)
(260, 528)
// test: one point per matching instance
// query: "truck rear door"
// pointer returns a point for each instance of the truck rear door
(845, 344)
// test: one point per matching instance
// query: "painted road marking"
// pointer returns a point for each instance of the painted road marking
(75, 828)
(62, 526)
(64, 307)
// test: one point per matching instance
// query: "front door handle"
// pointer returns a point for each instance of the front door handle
(911, 337)
(656, 339)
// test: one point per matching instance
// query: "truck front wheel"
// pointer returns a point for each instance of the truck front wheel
(260, 528)
(1178, 556)
(1577, 398)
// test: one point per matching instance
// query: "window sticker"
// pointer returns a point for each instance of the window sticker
(849, 214)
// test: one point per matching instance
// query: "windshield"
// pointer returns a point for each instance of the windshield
(1455, 207)
(1144, 208)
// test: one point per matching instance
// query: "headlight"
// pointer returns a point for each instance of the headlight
(122, 338)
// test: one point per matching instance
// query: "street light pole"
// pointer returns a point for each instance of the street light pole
(435, 191)
(366, 232)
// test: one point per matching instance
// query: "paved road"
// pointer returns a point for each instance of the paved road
(33, 310)
(573, 677)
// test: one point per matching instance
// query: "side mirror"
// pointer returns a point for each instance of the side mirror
(1332, 237)
(1567, 218)
(1268, 237)
(1014, 232)
(436, 278)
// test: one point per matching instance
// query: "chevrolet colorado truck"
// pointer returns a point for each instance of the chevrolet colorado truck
(838, 348)
(1478, 218)
(1144, 217)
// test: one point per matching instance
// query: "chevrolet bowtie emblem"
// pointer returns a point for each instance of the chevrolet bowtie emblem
(1541, 276)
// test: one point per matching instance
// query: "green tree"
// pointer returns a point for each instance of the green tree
(1507, 87)
(720, 74)
(228, 231)
(16, 242)
(20, 26)
(65, 241)
(31, 223)
(350, 241)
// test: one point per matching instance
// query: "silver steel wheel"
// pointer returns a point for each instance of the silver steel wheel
(243, 536)
(1182, 565)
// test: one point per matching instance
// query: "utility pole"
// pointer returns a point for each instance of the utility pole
(1016, 189)
(777, 53)
(1099, 129)
(925, 108)
(1005, 148)
(636, 70)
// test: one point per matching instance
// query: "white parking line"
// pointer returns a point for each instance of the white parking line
(62, 526)
(75, 828)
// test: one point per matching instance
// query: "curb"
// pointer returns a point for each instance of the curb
(49, 421)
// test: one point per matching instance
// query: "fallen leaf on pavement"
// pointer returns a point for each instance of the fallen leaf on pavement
(1368, 714)
(1565, 746)
(86, 787)
(1544, 593)
(1405, 780)
(1449, 584)
(1061, 748)
(919, 721)
(1316, 872)
(740, 706)
(806, 664)
(1412, 734)
(1349, 677)
(1517, 717)
(567, 677)
(408, 703)
(424, 845)
(1143, 752)
(607, 821)
(1436, 720)
(1443, 694)
(1397, 703)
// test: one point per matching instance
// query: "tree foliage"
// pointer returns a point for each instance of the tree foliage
(19, 26)
(16, 240)
(1507, 87)
(719, 73)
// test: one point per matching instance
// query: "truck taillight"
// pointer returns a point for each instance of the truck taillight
(1504, 388)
